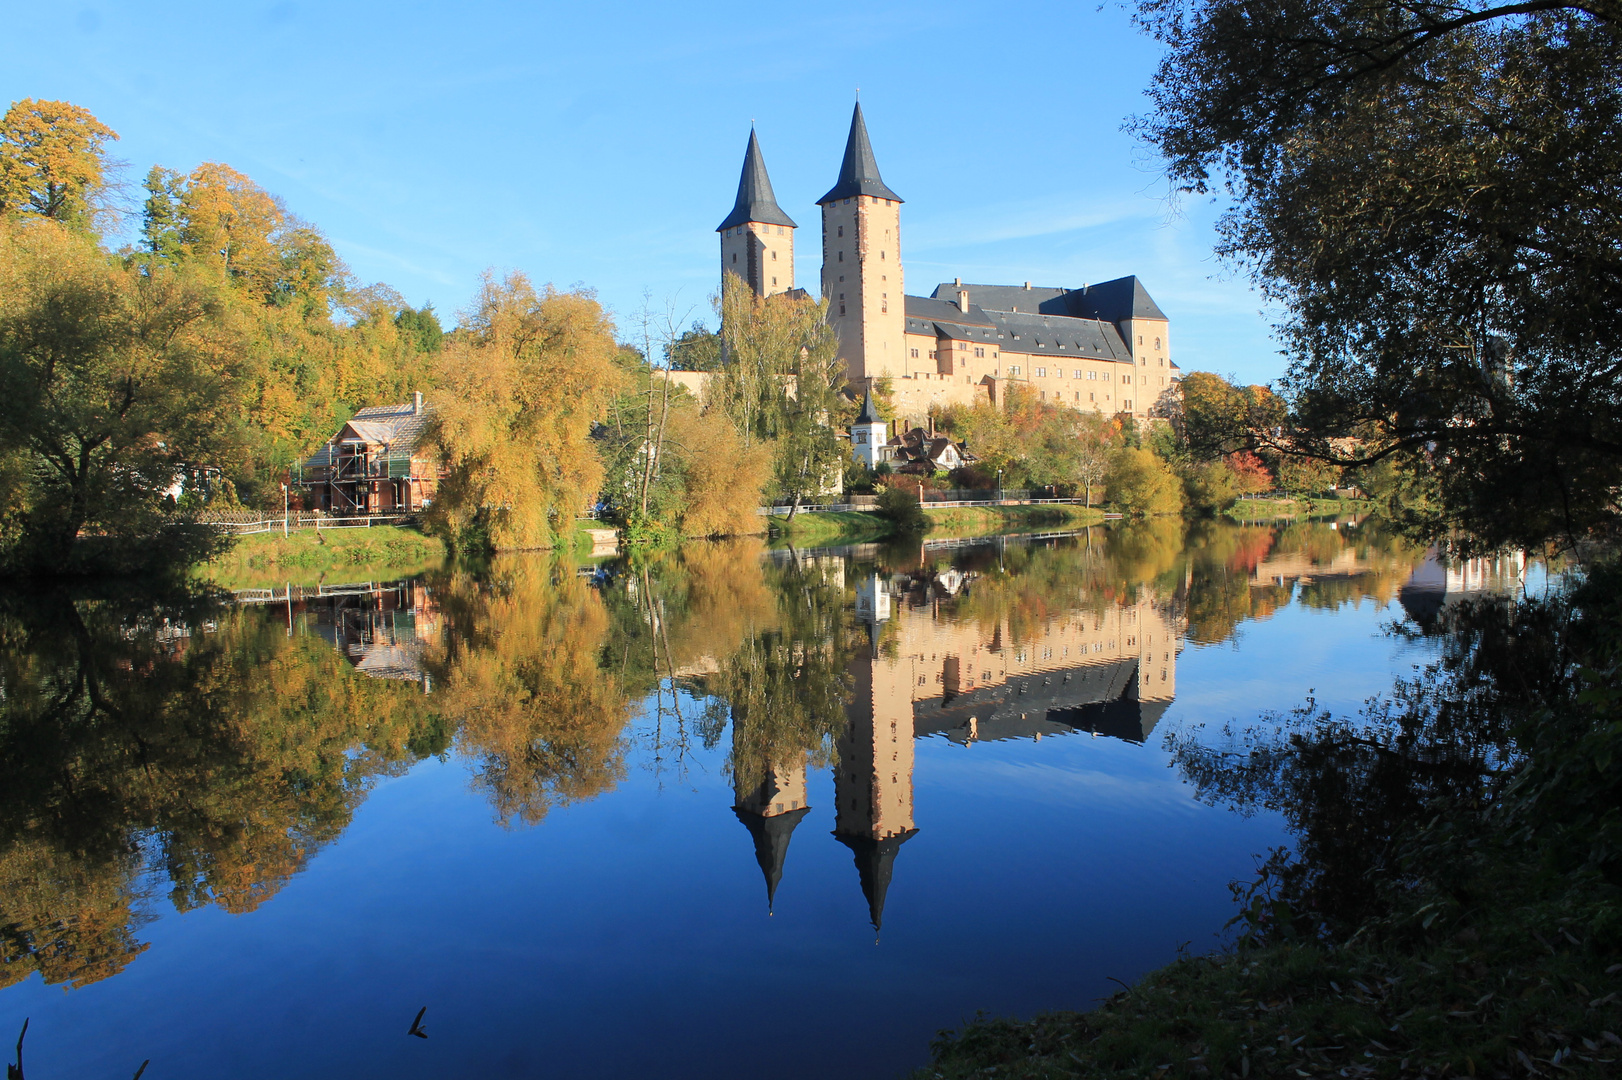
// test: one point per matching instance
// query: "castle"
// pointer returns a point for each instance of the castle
(1102, 348)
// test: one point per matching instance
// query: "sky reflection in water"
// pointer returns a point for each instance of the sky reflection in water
(257, 854)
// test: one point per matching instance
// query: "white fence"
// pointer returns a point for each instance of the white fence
(306, 520)
(866, 508)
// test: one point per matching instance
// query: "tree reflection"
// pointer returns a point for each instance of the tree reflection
(522, 685)
(132, 739)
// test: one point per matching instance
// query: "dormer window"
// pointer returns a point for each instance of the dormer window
(841, 230)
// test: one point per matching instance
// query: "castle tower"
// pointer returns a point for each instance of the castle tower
(757, 238)
(770, 810)
(873, 777)
(869, 433)
(861, 263)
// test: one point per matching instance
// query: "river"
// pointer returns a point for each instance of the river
(717, 811)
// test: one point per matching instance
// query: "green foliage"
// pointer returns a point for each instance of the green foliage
(1035, 443)
(695, 349)
(1140, 483)
(1472, 338)
(422, 326)
(900, 505)
(111, 387)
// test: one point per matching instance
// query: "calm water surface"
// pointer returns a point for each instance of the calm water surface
(715, 812)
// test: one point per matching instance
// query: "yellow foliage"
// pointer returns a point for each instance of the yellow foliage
(51, 160)
(725, 478)
(518, 396)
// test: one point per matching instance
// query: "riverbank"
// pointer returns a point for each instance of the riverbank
(853, 527)
(1289, 509)
(1525, 983)
(310, 556)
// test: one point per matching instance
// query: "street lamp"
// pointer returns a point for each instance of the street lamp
(999, 486)
(284, 511)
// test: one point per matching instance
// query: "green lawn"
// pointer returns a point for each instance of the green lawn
(1289, 508)
(823, 529)
(309, 557)
(853, 527)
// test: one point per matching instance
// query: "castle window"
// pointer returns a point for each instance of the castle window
(1041, 372)
(1013, 369)
(915, 354)
(780, 230)
(774, 256)
(1140, 339)
(842, 228)
(1157, 343)
(1078, 395)
(734, 256)
(774, 281)
(979, 352)
(1075, 374)
(841, 256)
(881, 256)
(841, 307)
(884, 307)
(1092, 375)
(931, 354)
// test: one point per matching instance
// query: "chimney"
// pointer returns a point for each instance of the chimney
(957, 281)
(963, 301)
(1027, 285)
(416, 403)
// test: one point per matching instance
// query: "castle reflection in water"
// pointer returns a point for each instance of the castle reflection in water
(924, 672)
(929, 662)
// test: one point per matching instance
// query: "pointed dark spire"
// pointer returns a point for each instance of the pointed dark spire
(755, 199)
(859, 175)
(875, 860)
(869, 415)
(771, 836)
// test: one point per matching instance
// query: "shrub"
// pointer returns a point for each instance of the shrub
(900, 505)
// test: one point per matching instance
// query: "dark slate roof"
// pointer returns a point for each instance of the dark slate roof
(875, 861)
(859, 173)
(1058, 337)
(399, 427)
(868, 415)
(755, 200)
(930, 309)
(771, 836)
(1113, 301)
(1119, 300)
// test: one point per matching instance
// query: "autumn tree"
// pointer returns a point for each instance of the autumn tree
(53, 162)
(520, 390)
(112, 384)
(1140, 483)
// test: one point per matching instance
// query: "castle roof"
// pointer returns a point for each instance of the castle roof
(875, 862)
(771, 836)
(859, 174)
(1113, 301)
(755, 201)
(1016, 331)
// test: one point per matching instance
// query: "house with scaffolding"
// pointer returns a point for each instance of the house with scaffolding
(376, 463)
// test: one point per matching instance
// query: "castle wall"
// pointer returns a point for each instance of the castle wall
(862, 279)
(762, 255)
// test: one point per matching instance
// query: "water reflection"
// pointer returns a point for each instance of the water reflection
(170, 752)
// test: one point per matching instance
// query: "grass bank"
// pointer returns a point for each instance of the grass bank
(974, 520)
(827, 528)
(824, 529)
(1291, 508)
(310, 556)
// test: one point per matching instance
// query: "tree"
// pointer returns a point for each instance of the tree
(111, 384)
(512, 423)
(53, 161)
(1430, 190)
(696, 349)
(782, 382)
(1142, 484)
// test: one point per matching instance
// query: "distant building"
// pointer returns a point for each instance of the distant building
(376, 463)
(1102, 348)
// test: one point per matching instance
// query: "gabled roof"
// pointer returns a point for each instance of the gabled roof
(859, 173)
(930, 309)
(399, 427)
(755, 201)
(1057, 337)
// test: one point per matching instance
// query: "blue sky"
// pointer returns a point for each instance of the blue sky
(600, 144)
